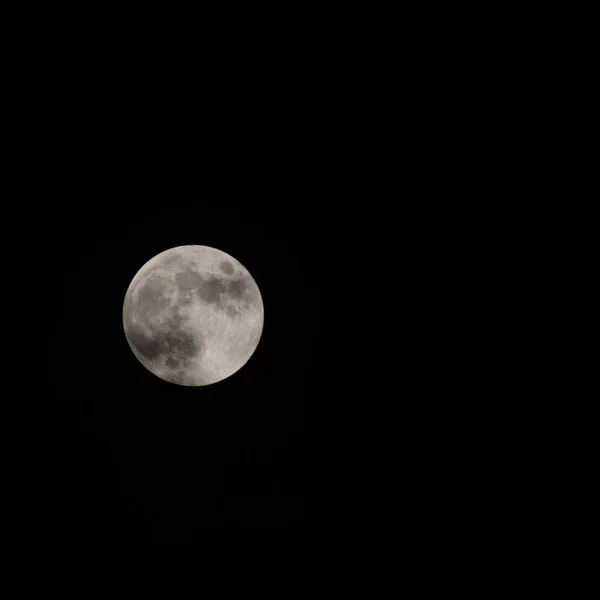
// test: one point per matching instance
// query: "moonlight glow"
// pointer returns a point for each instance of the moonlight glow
(193, 315)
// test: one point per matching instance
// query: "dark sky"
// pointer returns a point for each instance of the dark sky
(135, 458)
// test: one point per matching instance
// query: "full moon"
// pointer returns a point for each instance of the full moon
(193, 315)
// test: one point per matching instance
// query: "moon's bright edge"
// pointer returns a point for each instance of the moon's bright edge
(193, 315)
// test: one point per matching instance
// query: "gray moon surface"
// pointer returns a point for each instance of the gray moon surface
(193, 315)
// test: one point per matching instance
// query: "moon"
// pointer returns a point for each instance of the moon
(193, 315)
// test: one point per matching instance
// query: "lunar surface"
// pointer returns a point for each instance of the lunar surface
(193, 315)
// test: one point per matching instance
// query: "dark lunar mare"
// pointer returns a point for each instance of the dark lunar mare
(237, 288)
(169, 340)
(151, 296)
(188, 280)
(173, 343)
(210, 291)
(226, 267)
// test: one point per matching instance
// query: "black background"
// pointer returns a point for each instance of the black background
(135, 458)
